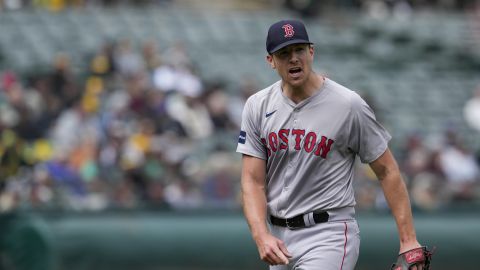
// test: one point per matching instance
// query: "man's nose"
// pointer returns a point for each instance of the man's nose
(293, 57)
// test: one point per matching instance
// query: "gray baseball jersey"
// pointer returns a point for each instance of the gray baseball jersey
(310, 147)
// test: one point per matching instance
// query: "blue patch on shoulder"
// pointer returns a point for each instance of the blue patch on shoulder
(242, 138)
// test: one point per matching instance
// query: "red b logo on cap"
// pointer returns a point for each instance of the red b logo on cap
(288, 28)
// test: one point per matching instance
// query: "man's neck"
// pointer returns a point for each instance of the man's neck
(311, 86)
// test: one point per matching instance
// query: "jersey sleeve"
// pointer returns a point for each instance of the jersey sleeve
(368, 138)
(249, 139)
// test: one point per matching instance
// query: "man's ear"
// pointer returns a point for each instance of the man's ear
(269, 59)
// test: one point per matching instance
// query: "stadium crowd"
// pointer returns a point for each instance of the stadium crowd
(306, 7)
(141, 128)
(138, 128)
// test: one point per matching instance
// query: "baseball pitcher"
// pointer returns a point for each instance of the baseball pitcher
(299, 139)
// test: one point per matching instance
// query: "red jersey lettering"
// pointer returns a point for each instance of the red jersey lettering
(299, 133)
(283, 136)
(273, 141)
(323, 147)
(310, 141)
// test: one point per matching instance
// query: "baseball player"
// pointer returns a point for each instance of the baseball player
(299, 138)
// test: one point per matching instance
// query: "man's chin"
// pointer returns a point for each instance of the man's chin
(297, 82)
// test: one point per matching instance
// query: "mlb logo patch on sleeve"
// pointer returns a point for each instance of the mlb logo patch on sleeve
(242, 137)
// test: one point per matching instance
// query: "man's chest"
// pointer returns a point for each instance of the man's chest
(310, 130)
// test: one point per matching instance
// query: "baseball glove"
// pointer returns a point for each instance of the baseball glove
(414, 256)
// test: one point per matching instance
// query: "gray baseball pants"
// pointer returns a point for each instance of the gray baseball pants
(332, 245)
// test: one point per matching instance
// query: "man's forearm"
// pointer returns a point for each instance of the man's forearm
(254, 207)
(397, 197)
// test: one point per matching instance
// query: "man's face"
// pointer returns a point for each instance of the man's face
(293, 63)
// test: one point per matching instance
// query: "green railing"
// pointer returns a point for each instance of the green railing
(204, 240)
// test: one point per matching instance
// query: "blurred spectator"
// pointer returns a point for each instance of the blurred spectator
(379, 9)
(376, 9)
(177, 56)
(176, 73)
(366, 186)
(127, 60)
(157, 109)
(151, 55)
(219, 185)
(471, 110)
(11, 4)
(21, 110)
(62, 85)
(236, 100)
(424, 178)
(12, 158)
(460, 169)
(102, 63)
(417, 157)
(217, 102)
(165, 78)
(75, 118)
(192, 114)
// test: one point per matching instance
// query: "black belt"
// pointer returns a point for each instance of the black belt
(298, 221)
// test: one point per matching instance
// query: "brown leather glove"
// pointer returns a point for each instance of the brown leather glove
(412, 257)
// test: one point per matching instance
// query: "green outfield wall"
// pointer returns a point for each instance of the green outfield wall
(203, 240)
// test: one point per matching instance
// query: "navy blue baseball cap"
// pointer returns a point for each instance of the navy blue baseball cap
(284, 33)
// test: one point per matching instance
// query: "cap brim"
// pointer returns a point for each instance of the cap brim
(290, 42)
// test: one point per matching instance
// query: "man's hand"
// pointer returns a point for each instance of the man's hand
(404, 247)
(417, 258)
(408, 246)
(272, 250)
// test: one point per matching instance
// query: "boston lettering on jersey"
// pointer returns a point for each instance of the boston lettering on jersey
(318, 145)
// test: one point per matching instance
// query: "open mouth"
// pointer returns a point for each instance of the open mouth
(294, 71)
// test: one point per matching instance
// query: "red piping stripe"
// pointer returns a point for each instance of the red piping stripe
(344, 246)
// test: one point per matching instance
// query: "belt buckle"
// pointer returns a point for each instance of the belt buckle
(289, 225)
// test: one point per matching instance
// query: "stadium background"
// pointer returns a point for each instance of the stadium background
(119, 121)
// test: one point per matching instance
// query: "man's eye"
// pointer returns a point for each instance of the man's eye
(300, 49)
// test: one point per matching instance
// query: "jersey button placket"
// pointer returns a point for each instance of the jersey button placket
(290, 170)
(295, 117)
(292, 141)
(295, 125)
(292, 156)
